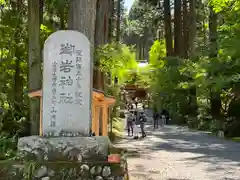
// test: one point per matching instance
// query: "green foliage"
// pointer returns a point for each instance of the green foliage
(172, 78)
(117, 128)
(118, 59)
(165, 77)
(142, 18)
(8, 147)
(14, 120)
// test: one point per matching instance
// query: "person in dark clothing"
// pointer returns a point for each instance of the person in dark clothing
(155, 119)
(142, 120)
(130, 121)
(166, 114)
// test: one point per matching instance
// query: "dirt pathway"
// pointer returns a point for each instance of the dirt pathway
(175, 153)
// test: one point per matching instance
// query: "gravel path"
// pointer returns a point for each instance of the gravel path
(175, 153)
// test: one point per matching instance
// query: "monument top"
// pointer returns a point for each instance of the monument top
(66, 84)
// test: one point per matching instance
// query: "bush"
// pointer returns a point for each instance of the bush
(8, 147)
(117, 128)
(192, 122)
(232, 127)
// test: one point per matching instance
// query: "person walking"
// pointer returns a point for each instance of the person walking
(155, 119)
(165, 116)
(130, 121)
(142, 120)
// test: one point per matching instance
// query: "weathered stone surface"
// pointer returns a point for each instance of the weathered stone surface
(64, 170)
(64, 148)
(46, 178)
(41, 172)
(51, 173)
(99, 178)
(96, 170)
(70, 158)
(106, 171)
(84, 170)
(111, 178)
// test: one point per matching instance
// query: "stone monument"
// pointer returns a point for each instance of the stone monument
(66, 104)
(66, 84)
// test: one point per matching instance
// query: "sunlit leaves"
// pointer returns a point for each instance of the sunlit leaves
(157, 54)
(220, 5)
(118, 59)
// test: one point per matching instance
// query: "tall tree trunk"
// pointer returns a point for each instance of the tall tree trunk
(82, 16)
(61, 7)
(214, 95)
(18, 86)
(34, 63)
(192, 47)
(192, 27)
(168, 27)
(204, 29)
(41, 5)
(185, 28)
(18, 80)
(178, 40)
(111, 20)
(62, 19)
(41, 21)
(118, 20)
(101, 37)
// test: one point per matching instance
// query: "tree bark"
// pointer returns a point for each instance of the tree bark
(41, 5)
(101, 37)
(111, 20)
(81, 17)
(215, 98)
(34, 63)
(168, 28)
(18, 81)
(192, 28)
(178, 40)
(61, 7)
(185, 28)
(192, 47)
(118, 20)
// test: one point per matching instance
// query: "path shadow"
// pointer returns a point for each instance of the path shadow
(133, 149)
(205, 148)
(210, 149)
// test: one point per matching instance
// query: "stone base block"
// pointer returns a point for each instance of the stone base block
(64, 148)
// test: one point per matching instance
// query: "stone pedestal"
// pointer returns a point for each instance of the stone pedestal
(64, 148)
(72, 158)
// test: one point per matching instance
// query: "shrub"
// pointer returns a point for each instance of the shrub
(8, 147)
(117, 128)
